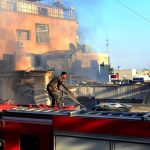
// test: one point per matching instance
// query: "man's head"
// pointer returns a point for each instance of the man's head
(64, 75)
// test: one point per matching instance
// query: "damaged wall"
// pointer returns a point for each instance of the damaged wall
(25, 87)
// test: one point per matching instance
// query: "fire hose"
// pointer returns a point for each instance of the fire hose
(71, 97)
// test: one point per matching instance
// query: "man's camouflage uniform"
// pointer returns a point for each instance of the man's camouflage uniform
(53, 87)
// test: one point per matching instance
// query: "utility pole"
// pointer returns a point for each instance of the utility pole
(107, 44)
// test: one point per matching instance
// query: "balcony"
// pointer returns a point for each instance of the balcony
(40, 9)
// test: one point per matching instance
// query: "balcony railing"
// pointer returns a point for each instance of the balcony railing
(38, 9)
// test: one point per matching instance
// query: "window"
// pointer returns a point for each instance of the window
(42, 11)
(23, 35)
(37, 60)
(42, 35)
(12, 6)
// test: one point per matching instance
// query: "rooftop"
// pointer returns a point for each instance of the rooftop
(37, 8)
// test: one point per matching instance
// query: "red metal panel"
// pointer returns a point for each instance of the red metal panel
(114, 127)
(13, 129)
(12, 141)
(24, 128)
(6, 107)
(46, 142)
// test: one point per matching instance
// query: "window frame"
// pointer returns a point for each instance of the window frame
(19, 31)
(36, 32)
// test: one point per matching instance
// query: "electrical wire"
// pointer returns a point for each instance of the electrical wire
(135, 12)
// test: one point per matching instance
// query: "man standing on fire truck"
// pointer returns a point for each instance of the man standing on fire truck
(53, 89)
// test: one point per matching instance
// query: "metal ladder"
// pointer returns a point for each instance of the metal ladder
(145, 116)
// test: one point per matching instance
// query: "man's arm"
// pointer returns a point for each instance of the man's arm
(65, 86)
(61, 82)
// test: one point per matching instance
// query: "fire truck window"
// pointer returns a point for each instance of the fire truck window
(30, 143)
(131, 146)
(75, 143)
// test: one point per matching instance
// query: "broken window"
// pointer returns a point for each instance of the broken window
(42, 33)
(23, 34)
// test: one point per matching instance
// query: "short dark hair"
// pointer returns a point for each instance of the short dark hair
(63, 73)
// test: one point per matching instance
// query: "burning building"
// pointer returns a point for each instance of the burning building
(36, 39)
(29, 33)
(30, 30)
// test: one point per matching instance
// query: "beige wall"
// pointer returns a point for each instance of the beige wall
(62, 33)
(86, 58)
(125, 74)
(92, 65)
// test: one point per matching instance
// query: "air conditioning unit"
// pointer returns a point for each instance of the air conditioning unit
(20, 44)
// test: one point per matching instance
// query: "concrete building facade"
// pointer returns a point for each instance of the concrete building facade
(125, 74)
(30, 29)
(95, 66)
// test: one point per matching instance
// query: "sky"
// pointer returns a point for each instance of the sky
(125, 25)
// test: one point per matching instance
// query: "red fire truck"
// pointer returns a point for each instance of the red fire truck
(33, 128)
